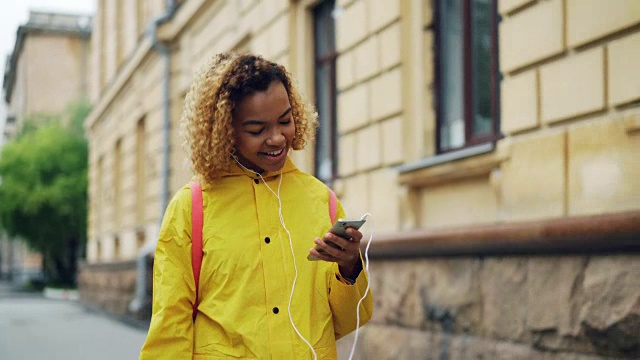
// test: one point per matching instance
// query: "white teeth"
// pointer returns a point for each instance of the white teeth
(275, 153)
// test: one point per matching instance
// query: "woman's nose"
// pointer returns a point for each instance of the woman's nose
(276, 139)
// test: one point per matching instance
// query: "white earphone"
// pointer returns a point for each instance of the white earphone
(295, 266)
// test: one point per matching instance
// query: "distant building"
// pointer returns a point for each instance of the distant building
(46, 72)
(496, 143)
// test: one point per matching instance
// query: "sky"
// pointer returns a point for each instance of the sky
(14, 13)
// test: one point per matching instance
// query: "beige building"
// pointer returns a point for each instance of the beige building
(495, 142)
(46, 73)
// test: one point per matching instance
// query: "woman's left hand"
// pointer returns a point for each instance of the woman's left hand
(345, 252)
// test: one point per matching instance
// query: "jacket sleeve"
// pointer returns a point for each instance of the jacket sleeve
(344, 298)
(170, 333)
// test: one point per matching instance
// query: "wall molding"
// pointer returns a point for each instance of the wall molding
(600, 234)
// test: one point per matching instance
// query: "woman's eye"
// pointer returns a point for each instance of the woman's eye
(256, 132)
(285, 122)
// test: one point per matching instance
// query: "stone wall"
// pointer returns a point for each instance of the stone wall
(518, 307)
(109, 287)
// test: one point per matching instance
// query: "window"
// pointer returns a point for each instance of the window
(98, 250)
(140, 239)
(325, 88)
(120, 32)
(117, 173)
(141, 171)
(467, 73)
(116, 248)
(99, 197)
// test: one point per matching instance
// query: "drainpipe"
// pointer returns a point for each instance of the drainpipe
(141, 299)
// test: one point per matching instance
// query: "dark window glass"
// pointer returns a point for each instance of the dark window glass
(467, 73)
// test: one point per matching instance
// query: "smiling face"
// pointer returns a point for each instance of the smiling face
(263, 128)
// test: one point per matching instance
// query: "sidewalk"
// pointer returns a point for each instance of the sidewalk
(32, 327)
(8, 289)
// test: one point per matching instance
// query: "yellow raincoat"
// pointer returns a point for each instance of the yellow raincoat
(247, 274)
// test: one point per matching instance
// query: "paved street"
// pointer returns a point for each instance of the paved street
(32, 327)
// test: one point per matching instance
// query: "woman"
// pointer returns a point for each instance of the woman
(259, 295)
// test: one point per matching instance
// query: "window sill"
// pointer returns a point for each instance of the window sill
(466, 163)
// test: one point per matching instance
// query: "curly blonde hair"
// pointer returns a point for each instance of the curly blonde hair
(217, 88)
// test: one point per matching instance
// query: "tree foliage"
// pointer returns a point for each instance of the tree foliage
(43, 191)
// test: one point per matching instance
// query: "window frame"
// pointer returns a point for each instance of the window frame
(470, 139)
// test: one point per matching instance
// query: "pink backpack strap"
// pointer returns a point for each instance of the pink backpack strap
(196, 237)
(333, 204)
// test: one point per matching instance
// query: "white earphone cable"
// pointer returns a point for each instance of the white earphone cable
(295, 266)
(293, 255)
(366, 267)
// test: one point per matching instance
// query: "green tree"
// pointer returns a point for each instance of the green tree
(43, 192)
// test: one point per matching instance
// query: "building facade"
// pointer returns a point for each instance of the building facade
(46, 72)
(495, 142)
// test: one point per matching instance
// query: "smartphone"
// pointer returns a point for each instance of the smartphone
(340, 229)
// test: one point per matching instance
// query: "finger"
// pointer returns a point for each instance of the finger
(320, 255)
(330, 250)
(354, 234)
(338, 240)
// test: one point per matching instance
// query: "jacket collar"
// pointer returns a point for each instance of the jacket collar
(236, 170)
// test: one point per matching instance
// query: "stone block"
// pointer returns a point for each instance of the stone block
(389, 41)
(347, 154)
(386, 95)
(344, 3)
(448, 287)
(278, 35)
(351, 26)
(92, 250)
(383, 342)
(353, 108)
(345, 70)
(533, 179)
(429, 61)
(381, 13)
(260, 44)
(284, 60)
(506, 6)
(509, 351)
(246, 5)
(128, 241)
(623, 59)
(355, 198)
(470, 347)
(603, 168)
(344, 344)
(369, 149)
(523, 41)
(553, 310)
(466, 202)
(392, 141)
(394, 295)
(153, 96)
(210, 26)
(573, 86)
(520, 103)
(280, 5)
(611, 314)
(589, 20)
(503, 283)
(384, 201)
(367, 59)
(427, 12)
